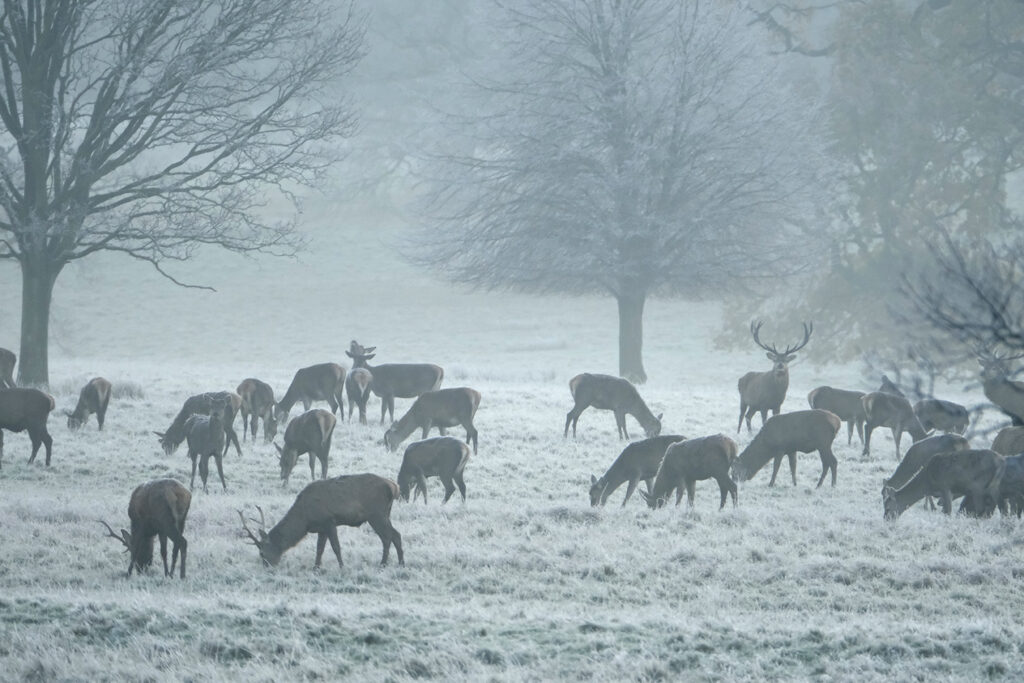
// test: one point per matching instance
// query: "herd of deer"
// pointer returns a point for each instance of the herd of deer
(943, 465)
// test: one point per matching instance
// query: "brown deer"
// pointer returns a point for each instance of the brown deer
(918, 455)
(442, 409)
(357, 387)
(26, 410)
(322, 506)
(945, 416)
(321, 382)
(639, 461)
(7, 361)
(257, 403)
(206, 439)
(1009, 441)
(973, 473)
(443, 457)
(308, 433)
(764, 391)
(845, 404)
(402, 380)
(1011, 486)
(688, 462)
(801, 431)
(200, 405)
(94, 398)
(157, 508)
(888, 387)
(618, 395)
(892, 411)
(1006, 394)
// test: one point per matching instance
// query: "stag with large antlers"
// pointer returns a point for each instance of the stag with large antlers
(1007, 394)
(157, 508)
(764, 391)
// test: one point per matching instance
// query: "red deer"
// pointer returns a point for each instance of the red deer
(1011, 486)
(918, 455)
(157, 508)
(1009, 441)
(639, 461)
(442, 457)
(801, 431)
(605, 392)
(257, 403)
(26, 410)
(308, 433)
(892, 411)
(94, 398)
(442, 409)
(322, 506)
(1006, 394)
(321, 382)
(888, 387)
(205, 437)
(7, 362)
(200, 405)
(764, 391)
(357, 387)
(974, 473)
(845, 404)
(688, 462)
(944, 416)
(402, 380)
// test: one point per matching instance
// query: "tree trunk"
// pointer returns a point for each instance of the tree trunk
(631, 337)
(37, 279)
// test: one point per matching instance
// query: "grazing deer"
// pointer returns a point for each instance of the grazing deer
(308, 433)
(321, 382)
(322, 506)
(402, 380)
(442, 409)
(688, 462)
(1009, 441)
(892, 411)
(1011, 487)
(443, 457)
(764, 391)
(845, 404)
(639, 461)
(944, 416)
(973, 473)
(205, 436)
(357, 387)
(605, 392)
(918, 455)
(26, 410)
(7, 361)
(200, 405)
(801, 431)
(888, 387)
(94, 398)
(1006, 394)
(257, 403)
(157, 508)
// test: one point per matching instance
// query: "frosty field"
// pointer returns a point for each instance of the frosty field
(523, 581)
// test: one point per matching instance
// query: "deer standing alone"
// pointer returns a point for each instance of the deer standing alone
(895, 412)
(687, 462)
(845, 404)
(443, 457)
(442, 409)
(764, 391)
(801, 431)
(308, 433)
(391, 380)
(321, 382)
(257, 403)
(7, 362)
(973, 473)
(94, 398)
(639, 461)
(616, 394)
(200, 405)
(26, 410)
(156, 508)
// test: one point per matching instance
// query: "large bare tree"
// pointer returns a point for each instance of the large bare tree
(154, 128)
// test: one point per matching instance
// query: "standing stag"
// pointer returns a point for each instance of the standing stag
(7, 362)
(1007, 394)
(257, 403)
(200, 404)
(895, 412)
(801, 431)
(157, 508)
(688, 462)
(974, 474)
(610, 393)
(845, 404)
(94, 398)
(26, 410)
(442, 409)
(350, 500)
(321, 382)
(357, 388)
(639, 461)
(764, 391)
(308, 433)
(442, 457)
(391, 380)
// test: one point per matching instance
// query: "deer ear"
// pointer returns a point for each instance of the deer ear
(369, 356)
(644, 495)
(369, 349)
(771, 356)
(279, 450)
(660, 416)
(593, 480)
(160, 435)
(349, 354)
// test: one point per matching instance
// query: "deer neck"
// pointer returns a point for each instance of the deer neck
(914, 490)
(292, 528)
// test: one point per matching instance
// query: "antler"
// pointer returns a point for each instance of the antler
(754, 330)
(125, 537)
(808, 329)
(248, 531)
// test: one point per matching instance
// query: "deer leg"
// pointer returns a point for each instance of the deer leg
(192, 481)
(163, 553)
(306, 403)
(426, 429)
(323, 462)
(232, 439)
(388, 535)
(849, 432)
(48, 444)
(449, 488)
(391, 407)
(750, 414)
(321, 543)
(828, 463)
(383, 408)
(101, 414)
(776, 464)
(649, 482)
(461, 484)
(219, 460)
(679, 489)
(630, 488)
(723, 490)
(860, 430)
(946, 501)
(312, 466)
(204, 468)
(332, 536)
(743, 410)
(792, 465)
(730, 485)
(897, 433)
(421, 484)
(36, 443)
(183, 544)
(620, 424)
(471, 433)
(764, 416)
(691, 491)
(868, 428)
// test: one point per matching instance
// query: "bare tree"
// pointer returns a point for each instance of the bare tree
(154, 128)
(628, 148)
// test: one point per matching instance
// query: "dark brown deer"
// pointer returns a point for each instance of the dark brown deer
(205, 437)
(639, 461)
(1009, 441)
(442, 409)
(945, 416)
(94, 398)
(26, 410)
(844, 403)
(801, 431)
(308, 433)
(618, 395)
(918, 455)
(391, 380)
(200, 405)
(764, 391)
(257, 403)
(1006, 394)
(7, 361)
(321, 382)
(357, 387)
(350, 500)
(443, 457)
(974, 473)
(895, 412)
(687, 462)
(157, 508)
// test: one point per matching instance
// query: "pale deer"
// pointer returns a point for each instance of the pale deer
(764, 391)
(618, 395)
(321, 382)
(26, 410)
(845, 404)
(349, 500)
(206, 439)
(7, 361)
(443, 457)
(308, 433)
(801, 431)
(94, 398)
(639, 461)
(442, 409)
(945, 416)
(391, 380)
(1009, 441)
(200, 405)
(157, 508)
(973, 473)
(895, 412)
(1006, 394)
(257, 403)
(690, 461)
(918, 455)
(357, 388)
